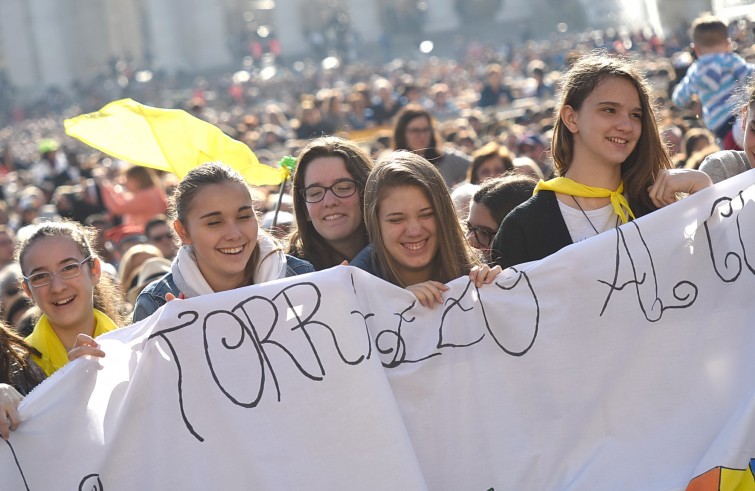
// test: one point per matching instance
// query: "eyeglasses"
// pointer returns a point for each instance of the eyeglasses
(484, 235)
(341, 189)
(419, 131)
(67, 272)
(160, 238)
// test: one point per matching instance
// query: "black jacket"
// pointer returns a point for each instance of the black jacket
(533, 230)
(536, 229)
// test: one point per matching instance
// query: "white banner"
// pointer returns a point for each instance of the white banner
(624, 362)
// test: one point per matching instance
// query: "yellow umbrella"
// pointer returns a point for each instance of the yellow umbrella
(167, 139)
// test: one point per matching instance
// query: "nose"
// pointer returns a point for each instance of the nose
(330, 198)
(413, 227)
(625, 122)
(233, 231)
(56, 283)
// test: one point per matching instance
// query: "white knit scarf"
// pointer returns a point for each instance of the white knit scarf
(191, 283)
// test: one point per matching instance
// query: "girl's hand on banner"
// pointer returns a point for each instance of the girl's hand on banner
(429, 293)
(9, 418)
(484, 275)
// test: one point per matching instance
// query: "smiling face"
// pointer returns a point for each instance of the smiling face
(608, 125)
(67, 303)
(409, 232)
(336, 219)
(221, 227)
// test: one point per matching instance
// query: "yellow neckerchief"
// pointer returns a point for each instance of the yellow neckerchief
(54, 354)
(565, 185)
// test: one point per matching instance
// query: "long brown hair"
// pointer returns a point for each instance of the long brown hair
(107, 297)
(649, 157)
(455, 257)
(408, 114)
(15, 366)
(305, 241)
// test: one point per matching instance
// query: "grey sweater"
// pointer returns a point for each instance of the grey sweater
(725, 164)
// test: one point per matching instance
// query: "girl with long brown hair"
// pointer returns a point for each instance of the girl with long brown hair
(611, 163)
(416, 239)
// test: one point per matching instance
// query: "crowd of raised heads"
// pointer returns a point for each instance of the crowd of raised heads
(431, 171)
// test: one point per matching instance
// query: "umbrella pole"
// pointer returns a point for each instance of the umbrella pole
(288, 164)
(278, 203)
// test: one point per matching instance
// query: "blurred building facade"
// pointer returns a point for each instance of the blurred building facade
(46, 43)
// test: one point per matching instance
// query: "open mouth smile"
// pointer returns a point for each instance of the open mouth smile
(232, 250)
(64, 301)
(414, 246)
(620, 141)
(330, 218)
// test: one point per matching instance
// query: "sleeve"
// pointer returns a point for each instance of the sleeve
(363, 260)
(146, 305)
(683, 91)
(121, 204)
(713, 166)
(296, 266)
(724, 164)
(510, 244)
(745, 71)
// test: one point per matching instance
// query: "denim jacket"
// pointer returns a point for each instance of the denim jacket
(153, 295)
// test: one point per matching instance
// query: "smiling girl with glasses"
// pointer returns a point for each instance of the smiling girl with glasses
(62, 277)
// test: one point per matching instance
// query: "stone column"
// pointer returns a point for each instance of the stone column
(187, 34)
(47, 23)
(365, 20)
(288, 28)
(441, 16)
(19, 49)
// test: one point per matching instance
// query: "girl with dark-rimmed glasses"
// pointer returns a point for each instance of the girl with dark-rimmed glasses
(328, 198)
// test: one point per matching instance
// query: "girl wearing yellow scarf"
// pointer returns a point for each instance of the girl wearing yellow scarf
(62, 276)
(611, 163)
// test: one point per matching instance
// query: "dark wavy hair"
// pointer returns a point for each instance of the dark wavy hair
(15, 366)
(504, 193)
(649, 157)
(304, 241)
(107, 296)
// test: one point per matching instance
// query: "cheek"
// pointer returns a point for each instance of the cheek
(388, 234)
(355, 206)
(311, 210)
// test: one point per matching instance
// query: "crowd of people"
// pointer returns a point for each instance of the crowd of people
(418, 176)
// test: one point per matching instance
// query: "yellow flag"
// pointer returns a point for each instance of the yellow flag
(166, 139)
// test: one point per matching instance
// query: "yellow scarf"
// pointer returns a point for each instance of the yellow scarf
(565, 185)
(54, 354)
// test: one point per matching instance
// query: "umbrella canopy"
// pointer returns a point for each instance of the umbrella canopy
(167, 139)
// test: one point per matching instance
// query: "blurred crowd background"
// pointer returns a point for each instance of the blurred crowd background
(485, 97)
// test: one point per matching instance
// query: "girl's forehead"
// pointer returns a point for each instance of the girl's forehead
(220, 197)
(403, 195)
(49, 251)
